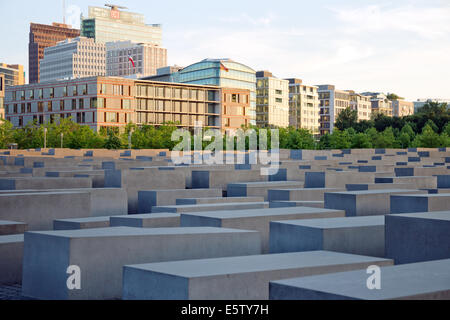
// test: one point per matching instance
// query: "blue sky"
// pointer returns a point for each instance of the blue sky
(391, 46)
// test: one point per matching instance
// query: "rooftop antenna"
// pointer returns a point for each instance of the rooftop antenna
(64, 12)
(115, 6)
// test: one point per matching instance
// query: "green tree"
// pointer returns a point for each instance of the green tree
(429, 138)
(112, 142)
(393, 96)
(300, 139)
(347, 118)
(361, 141)
(340, 140)
(6, 133)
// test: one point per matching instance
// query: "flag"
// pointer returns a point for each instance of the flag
(222, 67)
(132, 61)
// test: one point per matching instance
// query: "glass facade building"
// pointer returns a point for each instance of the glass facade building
(109, 25)
(224, 73)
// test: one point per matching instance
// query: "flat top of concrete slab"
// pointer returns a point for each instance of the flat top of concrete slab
(40, 193)
(336, 223)
(433, 215)
(130, 231)
(266, 183)
(177, 190)
(255, 263)
(6, 222)
(148, 216)
(305, 189)
(82, 220)
(396, 281)
(427, 195)
(362, 192)
(11, 238)
(260, 212)
(212, 205)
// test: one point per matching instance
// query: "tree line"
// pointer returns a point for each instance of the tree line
(428, 128)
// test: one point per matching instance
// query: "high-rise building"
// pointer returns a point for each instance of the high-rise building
(112, 102)
(2, 96)
(303, 106)
(402, 108)
(332, 102)
(43, 36)
(73, 58)
(125, 58)
(13, 74)
(272, 101)
(111, 24)
(361, 104)
(223, 73)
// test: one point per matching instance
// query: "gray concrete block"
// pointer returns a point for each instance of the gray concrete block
(81, 223)
(101, 254)
(211, 207)
(364, 203)
(258, 220)
(153, 198)
(420, 203)
(23, 183)
(417, 281)
(12, 227)
(191, 201)
(259, 189)
(354, 235)
(284, 204)
(154, 220)
(301, 194)
(233, 278)
(11, 254)
(418, 236)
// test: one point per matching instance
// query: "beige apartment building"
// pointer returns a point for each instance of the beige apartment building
(74, 58)
(2, 96)
(110, 102)
(332, 102)
(402, 108)
(272, 101)
(147, 59)
(361, 104)
(303, 106)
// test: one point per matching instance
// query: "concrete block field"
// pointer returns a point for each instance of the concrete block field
(323, 225)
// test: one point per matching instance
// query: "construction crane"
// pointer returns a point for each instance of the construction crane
(115, 7)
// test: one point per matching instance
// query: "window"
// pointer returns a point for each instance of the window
(279, 100)
(40, 106)
(278, 92)
(61, 105)
(74, 91)
(64, 91)
(49, 106)
(28, 107)
(93, 103)
(234, 98)
(84, 89)
(81, 104)
(31, 94)
(40, 93)
(74, 104)
(52, 93)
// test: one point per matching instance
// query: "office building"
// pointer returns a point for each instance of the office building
(137, 60)
(43, 36)
(111, 24)
(166, 74)
(402, 108)
(73, 58)
(361, 104)
(14, 74)
(2, 96)
(303, 106)
(223, 73)
(272, 101)
(332, 102)
(112, 102)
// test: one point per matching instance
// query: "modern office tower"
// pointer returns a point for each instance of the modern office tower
(111, 24)
(380, 103)
(421, 102)
(332, 102)
(402, 108)
(138, 60)
(166, 74)
(73, 59)
(272, 101)
(303, 106)
(43, 36)
(13, 74)
(360, 104)
(223, 73)
(2, 96)
(112, 102)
